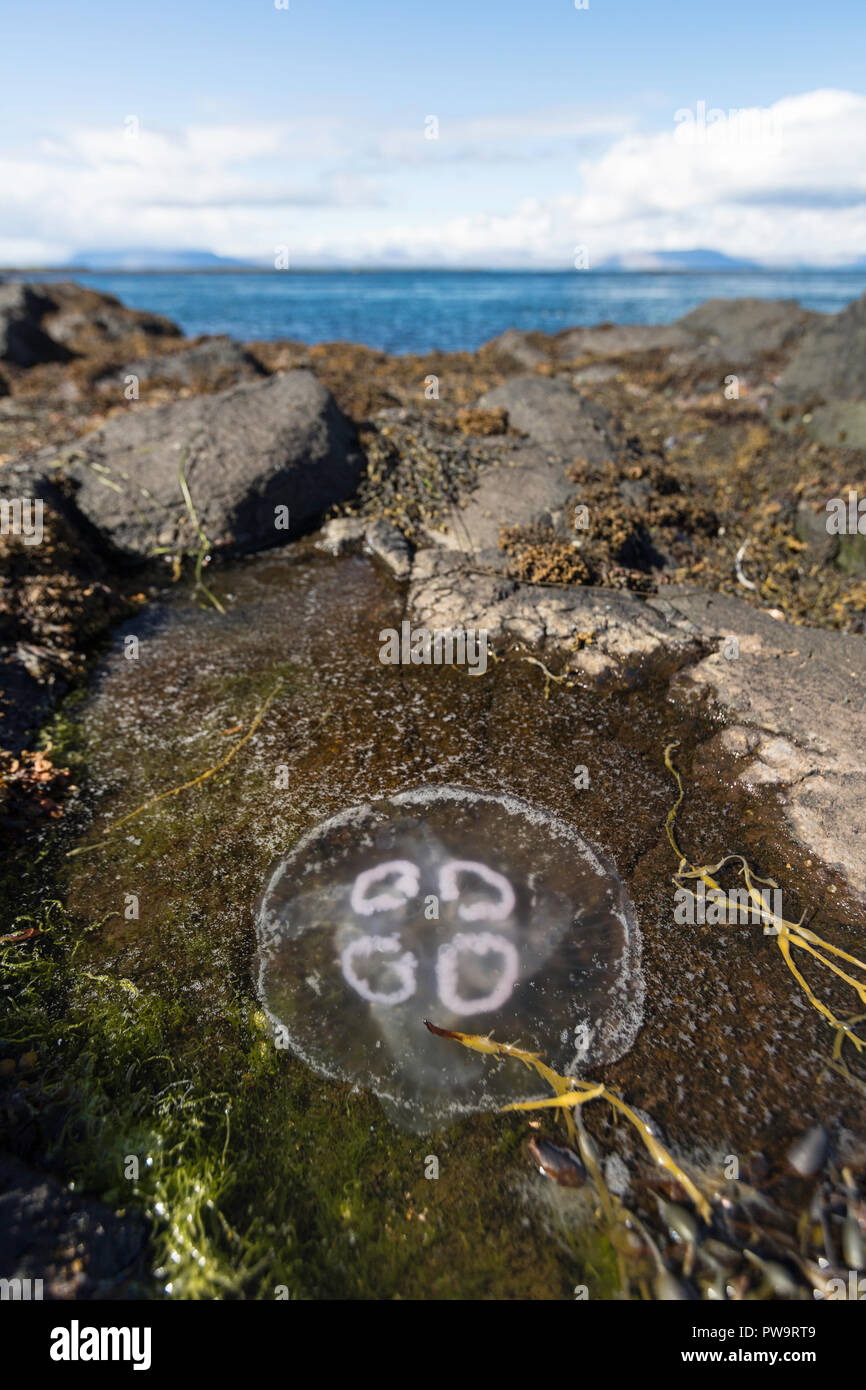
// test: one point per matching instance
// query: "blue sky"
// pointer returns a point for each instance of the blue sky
(259, 128)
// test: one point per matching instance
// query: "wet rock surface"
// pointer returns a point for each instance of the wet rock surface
(599, 631)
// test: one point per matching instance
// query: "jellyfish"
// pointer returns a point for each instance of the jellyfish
(480, 912)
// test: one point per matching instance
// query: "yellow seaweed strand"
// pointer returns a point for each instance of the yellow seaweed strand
(787, 934)
(185, 786)
(204, 543)
(571, 1092)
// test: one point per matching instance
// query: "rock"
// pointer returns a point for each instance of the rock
(56, 597)
(85, 320)
(341, 534)
(523, 349)
(737, 331)
(621, 631)
(797, 695)
(837, 423)
(78, 1247)
(808, 1154)
(847, 550)
(804, 690)
(246, 451)
(830, 362)
(391, 547)
(210, 364)
(619, 339)
(595, 374)
(22, 338)
(824, 383)
(810, 526)
(720, 331)
(554, 416)
(526, 481)
(525, 487)
(852, 553)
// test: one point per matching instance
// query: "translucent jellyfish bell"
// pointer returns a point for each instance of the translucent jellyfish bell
(478, 912)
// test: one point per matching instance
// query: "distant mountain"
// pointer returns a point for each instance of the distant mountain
(698, 259)
(143, 258)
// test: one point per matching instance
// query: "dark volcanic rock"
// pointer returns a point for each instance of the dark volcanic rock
(619, 339)
(526, 350)
(554, 416)
(85, 320)
(526, 480)
(57, 597)
(22, 338)
(831, 359)
(826, 378)
(245, 452)
(736, 331)
(211, 364)
(78, 1247)
(720, 331)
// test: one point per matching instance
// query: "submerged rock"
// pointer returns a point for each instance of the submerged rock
(605, 632)
(77, 1247)
(476, 911)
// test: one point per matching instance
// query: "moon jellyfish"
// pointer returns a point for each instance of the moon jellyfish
(481, 913)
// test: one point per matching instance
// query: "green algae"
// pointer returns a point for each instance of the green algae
(257, 1180)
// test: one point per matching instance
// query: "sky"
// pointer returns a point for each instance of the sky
(476, 133)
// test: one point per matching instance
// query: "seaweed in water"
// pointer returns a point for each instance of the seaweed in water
(788, 935)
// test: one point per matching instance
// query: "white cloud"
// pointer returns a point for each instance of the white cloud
(784, 184)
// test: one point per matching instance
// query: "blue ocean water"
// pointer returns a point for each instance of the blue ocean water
(431, 310)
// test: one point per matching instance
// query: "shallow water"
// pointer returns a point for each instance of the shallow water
(481, 913)
(729, 1053)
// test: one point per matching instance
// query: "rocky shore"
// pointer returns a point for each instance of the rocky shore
(637, 518)
(624, 498)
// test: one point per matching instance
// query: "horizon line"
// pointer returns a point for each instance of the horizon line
(250, 268)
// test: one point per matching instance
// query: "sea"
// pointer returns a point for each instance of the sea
(422, 311)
